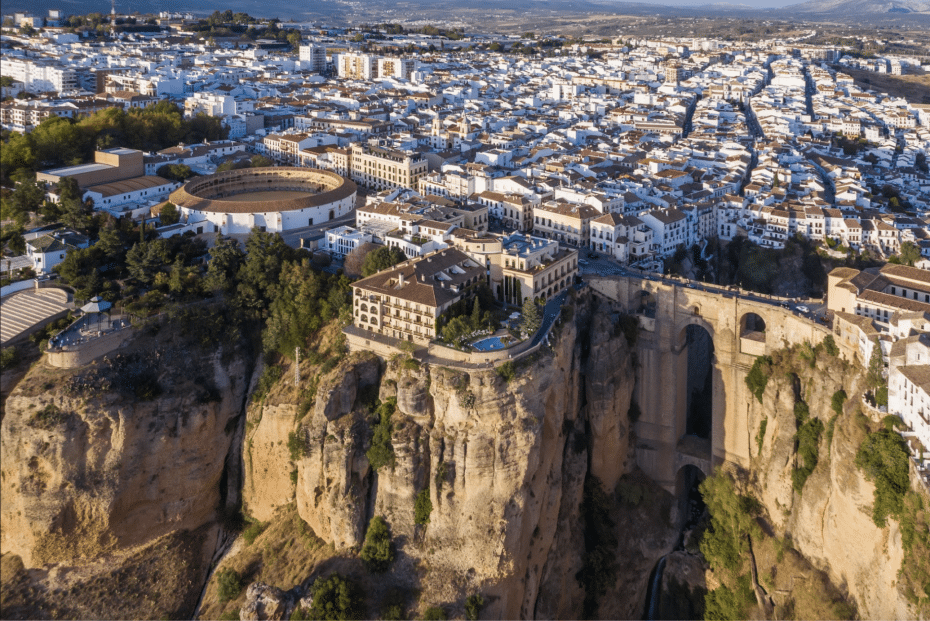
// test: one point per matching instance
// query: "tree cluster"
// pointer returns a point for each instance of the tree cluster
(59, 141)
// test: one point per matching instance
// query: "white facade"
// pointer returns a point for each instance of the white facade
(273, 221)
(314, 56)
(344, 239)
(39, 76)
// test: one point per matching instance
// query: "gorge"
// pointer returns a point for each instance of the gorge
(553, 489)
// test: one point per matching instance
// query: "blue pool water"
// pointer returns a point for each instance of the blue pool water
(489, 344)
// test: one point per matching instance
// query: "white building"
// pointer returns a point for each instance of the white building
(909, 385)
(314, 56)
(39, 76)
(116, 195)
(344, 239)
(46, 252)
(669, 229)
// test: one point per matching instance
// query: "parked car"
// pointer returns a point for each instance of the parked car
(582, 262)
(803, 309)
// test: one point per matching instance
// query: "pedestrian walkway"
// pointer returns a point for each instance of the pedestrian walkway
(24, 310)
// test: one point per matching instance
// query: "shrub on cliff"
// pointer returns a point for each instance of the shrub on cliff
(378, 550)
(758, 376)
(473, 606)
(807, 441)
(732, 522)
(883, 458)
(506, 371)
(435, 613)
(836, 403)
(724, 604)
(422, 507)
(381, 452)
(228, 584)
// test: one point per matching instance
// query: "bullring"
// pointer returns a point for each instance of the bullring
(274, 199)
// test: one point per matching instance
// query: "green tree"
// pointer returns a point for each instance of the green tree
(476, 314)
(169, 214)
(17, 243)
(381, 259)
(335, 598)
(378, 550)
(145, 260)
(266, 254)
(531, 318)
(17, 155)
(226, 258)
(175, 172)
(874, 377)
(27, 196)
(260, 161)
(732, 522)
(910, 253)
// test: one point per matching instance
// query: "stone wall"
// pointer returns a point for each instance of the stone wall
(75, 356)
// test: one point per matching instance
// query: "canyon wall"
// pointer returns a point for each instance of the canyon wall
(117, 453)
(830, 521)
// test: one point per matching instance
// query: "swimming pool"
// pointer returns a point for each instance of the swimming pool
(489, 344)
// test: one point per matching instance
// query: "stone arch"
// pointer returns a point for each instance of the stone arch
(751, 322)
(696, 343)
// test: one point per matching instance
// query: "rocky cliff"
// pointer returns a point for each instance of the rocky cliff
(503, 461)
(120, 452)
(830, 521)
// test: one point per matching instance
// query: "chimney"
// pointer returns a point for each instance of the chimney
(401, 282)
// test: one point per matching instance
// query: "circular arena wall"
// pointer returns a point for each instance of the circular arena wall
(274, 199)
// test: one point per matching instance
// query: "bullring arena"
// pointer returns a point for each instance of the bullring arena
(274, 199)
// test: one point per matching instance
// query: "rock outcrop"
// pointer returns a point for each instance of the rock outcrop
(265, 603)
(503, 463)
(830, 521)
(117, 453)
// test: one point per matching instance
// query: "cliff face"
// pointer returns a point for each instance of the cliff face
(830, 521)
(503, 463)
(118, 453)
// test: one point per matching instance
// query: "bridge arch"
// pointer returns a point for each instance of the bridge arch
(751, 322)
(696, 345)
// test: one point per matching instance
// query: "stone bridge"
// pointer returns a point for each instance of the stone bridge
(740, 327)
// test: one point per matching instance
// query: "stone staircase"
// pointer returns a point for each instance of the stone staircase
(24, 310)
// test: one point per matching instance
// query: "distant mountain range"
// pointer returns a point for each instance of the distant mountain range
(876, 12)
(859, 7)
